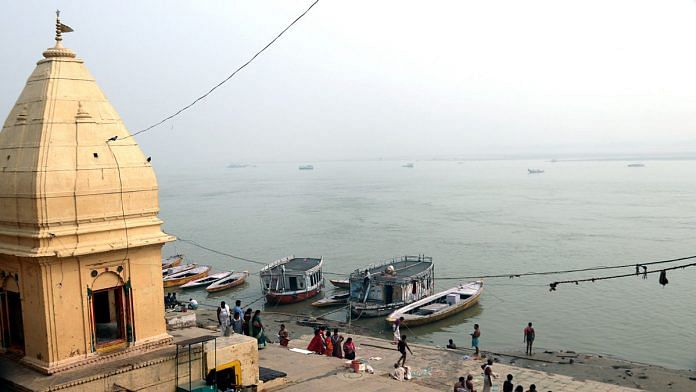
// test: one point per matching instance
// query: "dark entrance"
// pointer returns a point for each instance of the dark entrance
(108, 313)
(11, 318)
(293, 283)
(388, 294)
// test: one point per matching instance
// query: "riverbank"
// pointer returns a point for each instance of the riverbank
(575, 366)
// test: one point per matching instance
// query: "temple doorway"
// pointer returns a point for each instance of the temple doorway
(11, 316)
(108, 313)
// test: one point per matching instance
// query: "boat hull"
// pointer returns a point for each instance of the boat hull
(183, 280)
(341, 284)
(447, 312)
(172, 262)
(377, 311)
(283, 299)
(216, 288)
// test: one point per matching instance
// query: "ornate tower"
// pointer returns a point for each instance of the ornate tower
(80, 241)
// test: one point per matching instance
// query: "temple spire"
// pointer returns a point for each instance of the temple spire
(58, 50)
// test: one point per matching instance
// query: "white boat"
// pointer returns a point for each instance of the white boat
(306, 167)
(292, 279)
(636, 165)
(535, 171)
(408, 165)
(205, 281)
(232, 280)
(439, 306)
(179, 268)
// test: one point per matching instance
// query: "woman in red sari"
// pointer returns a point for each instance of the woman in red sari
(317, 343)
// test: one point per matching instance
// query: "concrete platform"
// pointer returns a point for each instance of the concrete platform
(433, 370)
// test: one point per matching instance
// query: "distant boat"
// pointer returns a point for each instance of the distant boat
(439, 306)
(206, 281)
(340, 283)
(636, 165)
(340, 298)
(408, 165)
(172, 261)
(186, 276)
(535, 171)
(232, 280)
(237, 165)
(306, 167)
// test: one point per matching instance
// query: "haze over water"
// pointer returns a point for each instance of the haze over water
(472, 217)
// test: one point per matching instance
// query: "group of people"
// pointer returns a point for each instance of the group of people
(331, 345)
(240, 321)
(466, 384)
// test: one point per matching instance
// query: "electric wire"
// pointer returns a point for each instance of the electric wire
(578, 281)
(227, 78)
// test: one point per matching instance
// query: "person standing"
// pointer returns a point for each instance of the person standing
(238, 308)
(316, 345)
(397, 329)
(329, 345)
(337, 341)
(488, 376)
(529, 338)
(475, 339)
(470, 383)
(223, 315)
(246, 322)
(237, 323)
(508, 385)
(257, 329)
(402, 347)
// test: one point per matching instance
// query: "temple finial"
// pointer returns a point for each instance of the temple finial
(60, 29)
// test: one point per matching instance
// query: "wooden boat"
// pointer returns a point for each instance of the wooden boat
(179, 268)
(340, 298)
(186, 276)
(292, 279)
(207, 280)
(232, 280)
(172, 261)
(340, 283)
(439, 306)
(382, 288)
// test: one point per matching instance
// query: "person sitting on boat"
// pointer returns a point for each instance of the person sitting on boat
(336, 340)
(237, 323)
(193, 304)
(257, 329)
(316, 345)
(451, 345)
(283, 336)
(349, 349)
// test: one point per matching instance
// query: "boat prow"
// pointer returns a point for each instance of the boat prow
(186, 276)
(207, 280)
(439, 306)
(233, 280)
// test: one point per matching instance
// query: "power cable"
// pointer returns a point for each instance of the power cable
(598, 268)
(552, 286)
(227, 78)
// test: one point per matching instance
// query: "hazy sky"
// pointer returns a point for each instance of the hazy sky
(365, 79)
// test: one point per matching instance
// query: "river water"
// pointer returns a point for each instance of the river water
(473, 218)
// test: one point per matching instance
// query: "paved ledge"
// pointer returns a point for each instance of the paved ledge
(434, 369)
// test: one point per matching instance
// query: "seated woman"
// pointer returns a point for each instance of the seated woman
(284, 336)
(317, 343)
(349, 349)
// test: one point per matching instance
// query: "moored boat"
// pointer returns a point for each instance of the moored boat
(439, 306)
(382, 288)
(535, 171)
(306, 167)
(340, 283)
(186, 276)
(232, 280)
(179, 268)
(206, 280)
(340, 298)
(292, 279)
(172, 261)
